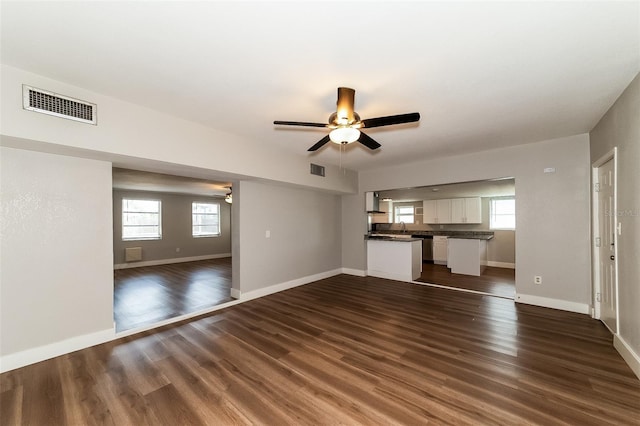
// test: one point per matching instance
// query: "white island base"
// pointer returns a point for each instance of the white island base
(468, 257)
(399, 260)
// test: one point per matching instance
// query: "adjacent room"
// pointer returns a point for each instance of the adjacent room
(171, 247)
(312, 213)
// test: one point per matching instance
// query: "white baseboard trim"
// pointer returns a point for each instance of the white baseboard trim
(564, 305)
(235, 293)
(254, 294)
(52, 350)
(356, 272)
(501, 264)
(169, 261)
(629, 355)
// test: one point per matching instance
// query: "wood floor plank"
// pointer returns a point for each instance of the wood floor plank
(168, 407)
(343, 350)
(496, 281)
(147, 295)
(11, 406)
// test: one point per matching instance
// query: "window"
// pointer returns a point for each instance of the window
(404, 214)
(141, 220)
(502, 213)
(205, 219)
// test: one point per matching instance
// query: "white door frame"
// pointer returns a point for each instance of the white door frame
(595, 267)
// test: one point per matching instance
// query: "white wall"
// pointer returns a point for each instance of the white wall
(129, 136)
(304, 228)
(620, 127)
(552, 238)
(56, 266)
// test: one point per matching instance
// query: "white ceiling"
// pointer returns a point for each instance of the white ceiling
(136, 180)
(482, 75)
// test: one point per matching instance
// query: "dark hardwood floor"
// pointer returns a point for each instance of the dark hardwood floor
(344, 350)
(497, 281)
(147, 295)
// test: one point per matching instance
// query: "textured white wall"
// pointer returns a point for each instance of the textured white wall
(552, 237)
(305, 234)
(56, 267)
(620, 127)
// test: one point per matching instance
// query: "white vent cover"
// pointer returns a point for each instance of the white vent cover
(61, 106)
(132, 254)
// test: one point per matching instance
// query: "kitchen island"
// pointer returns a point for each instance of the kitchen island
(467, 256)
(395, 258)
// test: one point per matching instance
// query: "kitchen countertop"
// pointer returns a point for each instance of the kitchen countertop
(390, 238)
(471, 237)
(467, 235)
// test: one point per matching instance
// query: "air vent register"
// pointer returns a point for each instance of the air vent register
(58, 105)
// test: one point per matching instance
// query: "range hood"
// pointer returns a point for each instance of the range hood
(372, 202)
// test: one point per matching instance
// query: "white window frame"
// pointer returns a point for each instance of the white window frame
(493, 214)
(193, 221)
(125, 212)
(398, 217)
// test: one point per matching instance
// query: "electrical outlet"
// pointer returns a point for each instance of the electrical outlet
(537, 279)
(177, 249)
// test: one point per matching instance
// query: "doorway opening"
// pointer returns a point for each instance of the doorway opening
(605, 241)
(477, 209)
(172, 247)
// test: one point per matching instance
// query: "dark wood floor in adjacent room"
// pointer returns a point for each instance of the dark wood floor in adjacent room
(344, 350)
(147, 295)
(497, 281)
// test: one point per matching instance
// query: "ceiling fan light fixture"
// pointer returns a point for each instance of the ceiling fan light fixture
(344, 135)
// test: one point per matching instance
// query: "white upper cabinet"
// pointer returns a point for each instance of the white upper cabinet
(429, 211)
(473, 209)
(436, 211)
(456, 210)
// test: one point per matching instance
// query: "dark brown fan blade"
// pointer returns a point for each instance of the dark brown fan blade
(320, 144)
(391, 119)
(298, 123)
(368, 141)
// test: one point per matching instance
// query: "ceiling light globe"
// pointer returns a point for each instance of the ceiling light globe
(343, 135)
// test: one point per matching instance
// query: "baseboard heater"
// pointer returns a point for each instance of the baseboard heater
(133, 254)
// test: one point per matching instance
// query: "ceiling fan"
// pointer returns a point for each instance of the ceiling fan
(345, 123)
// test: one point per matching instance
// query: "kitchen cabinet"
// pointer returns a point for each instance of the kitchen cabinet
(467, 256)
(466, 210)
(440, 250)
(399, 259)
(436, 211)
(456, 210)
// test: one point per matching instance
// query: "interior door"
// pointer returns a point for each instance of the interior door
(606, 250)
